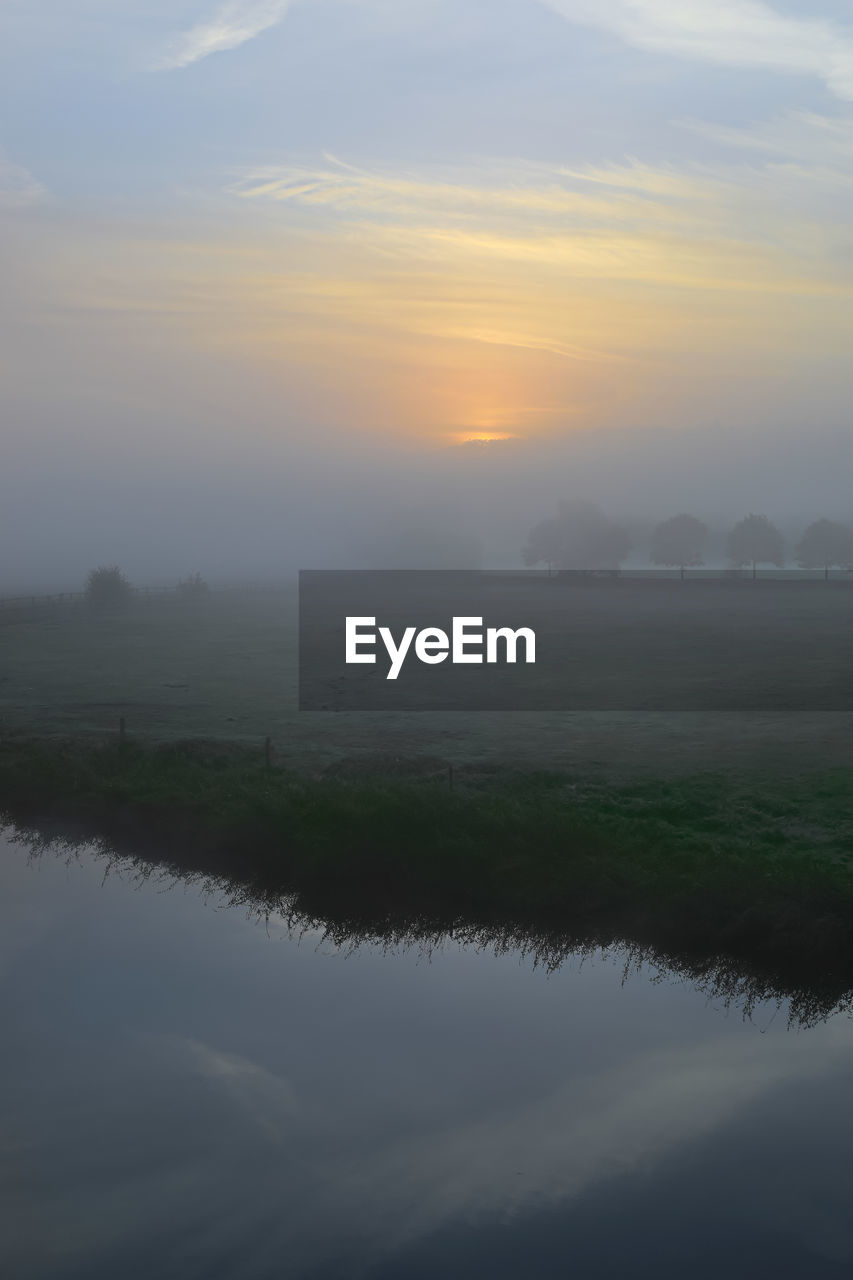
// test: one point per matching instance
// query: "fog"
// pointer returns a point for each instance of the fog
(263, 274)
(259, 510)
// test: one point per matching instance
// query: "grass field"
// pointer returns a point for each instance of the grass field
(225, 668)
(721, 843)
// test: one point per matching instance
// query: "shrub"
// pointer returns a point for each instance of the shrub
(107, 587)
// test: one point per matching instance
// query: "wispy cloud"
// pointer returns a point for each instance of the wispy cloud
(496, 295)
(742, 33)
(545, 274)
(423, 1177)
(493, 194)
(18, 188)
(800, 135)
(231, 25)
(719, 223)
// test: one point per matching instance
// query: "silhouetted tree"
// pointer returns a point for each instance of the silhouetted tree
(543, 544)
(679, 542)
(825, 543)
(756, 540)
(107, 587)
(579, 537)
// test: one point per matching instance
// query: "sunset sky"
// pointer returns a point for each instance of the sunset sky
(265, 226)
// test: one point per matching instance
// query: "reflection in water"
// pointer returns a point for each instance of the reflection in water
(351, 914)
(190, 1091)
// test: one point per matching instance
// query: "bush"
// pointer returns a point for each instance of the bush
(193, 588)
(107, 587)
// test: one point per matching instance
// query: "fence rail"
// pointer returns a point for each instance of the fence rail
(60, 598)
(721, 574)
(70, 597)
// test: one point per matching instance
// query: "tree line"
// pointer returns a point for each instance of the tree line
(108, 588)
(580, 536)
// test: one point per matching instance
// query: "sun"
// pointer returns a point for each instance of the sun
(481, 437)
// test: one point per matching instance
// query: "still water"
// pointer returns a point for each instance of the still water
(188, 1092)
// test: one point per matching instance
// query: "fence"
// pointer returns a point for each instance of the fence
(66, 598)
(77, 598)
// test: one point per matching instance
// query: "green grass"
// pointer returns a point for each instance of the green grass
(700, 867)
(716, 840)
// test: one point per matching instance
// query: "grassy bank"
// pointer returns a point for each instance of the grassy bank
(750, 872)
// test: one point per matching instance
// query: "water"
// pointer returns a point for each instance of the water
(187, 1092)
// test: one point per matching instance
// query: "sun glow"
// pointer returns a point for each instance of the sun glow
(481, 437)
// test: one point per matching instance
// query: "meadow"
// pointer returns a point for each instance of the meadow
(717, 843)
(224, 669)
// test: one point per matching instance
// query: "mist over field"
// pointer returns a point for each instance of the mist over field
(294, 285)
(257, 512)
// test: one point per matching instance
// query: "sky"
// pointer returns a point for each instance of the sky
(279, 276)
